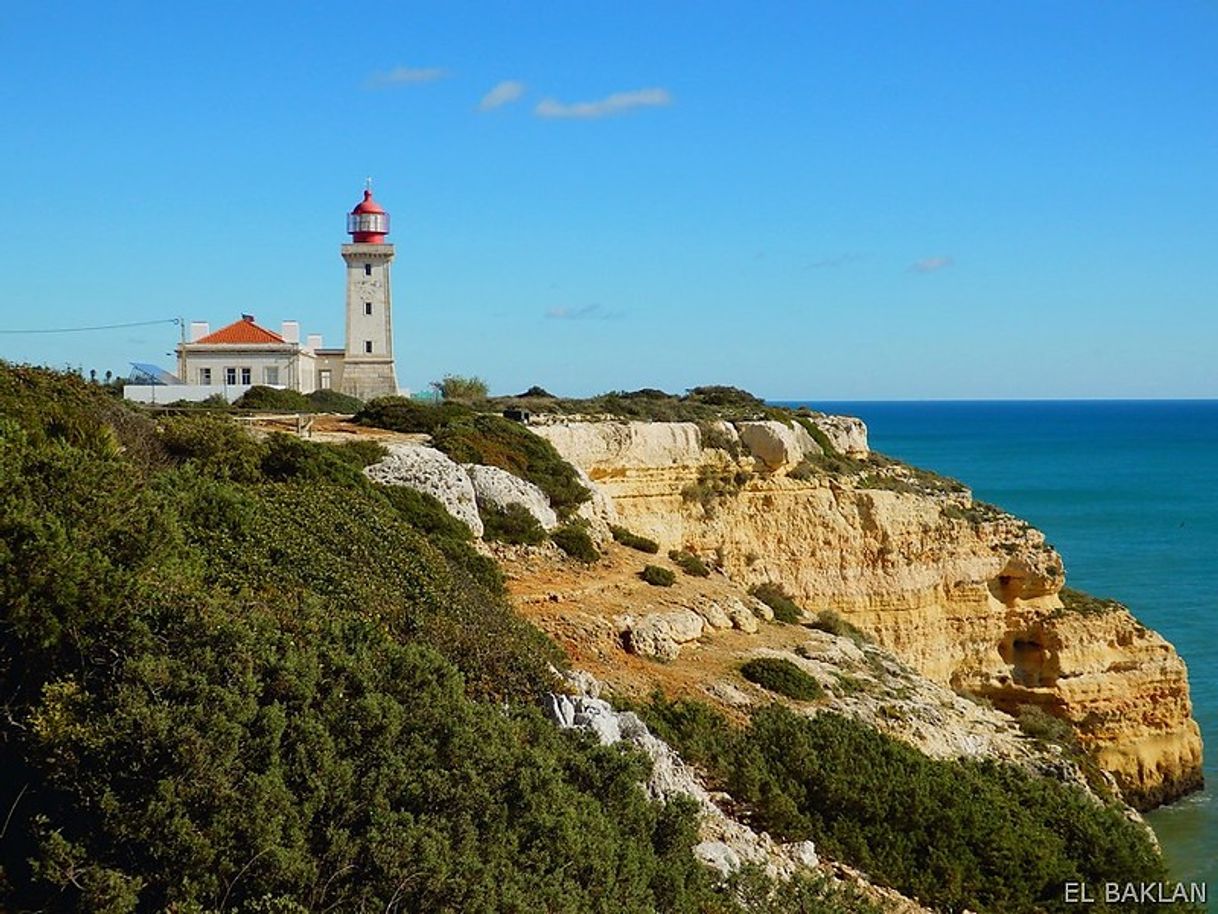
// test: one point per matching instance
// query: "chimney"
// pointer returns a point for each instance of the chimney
(314, 341)
(291, 331)
(248, 318)
(198, 330)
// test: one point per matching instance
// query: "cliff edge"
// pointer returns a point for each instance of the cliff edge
(966, 594)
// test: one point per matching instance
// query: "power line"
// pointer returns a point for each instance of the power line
(168, 320)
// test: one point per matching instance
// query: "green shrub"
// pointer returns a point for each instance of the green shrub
(575, 542)
(775, 597)
(360, 452)
(288, 457)
(689, 563)
(953, 834)
(634, 540)
(401, 414)
(512, 524)
(829, 621)
(213, 445)
(657, 576)
(1039, 724)
(461, 387)
(333, 401)
(782, 676)
(425, 513)
(259, 397)
(714, 484)
(1078, 601)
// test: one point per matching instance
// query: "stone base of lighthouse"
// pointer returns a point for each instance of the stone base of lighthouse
(369, 378)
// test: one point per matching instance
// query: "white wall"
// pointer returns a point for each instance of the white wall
(169, 393)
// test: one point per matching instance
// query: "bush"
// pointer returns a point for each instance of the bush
(657, 576)
(425, 513)
(360, 452)
(1078, 601)
(332, 401)
(634, 541)
(278, 696)
(499, 442)
(459, 387)
(689, 563)
(782, 676)
(775, 597)
(953, 834)
(575, 542)
(401, 414)
(259, 397)
(829, 621)
(512, 524)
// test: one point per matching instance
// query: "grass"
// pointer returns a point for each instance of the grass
(512, 524)
(775, 597)
(634, 540)
(782, 677)
(1085, 604)
(829, 621)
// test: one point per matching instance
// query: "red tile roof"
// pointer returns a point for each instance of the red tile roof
(242, 331)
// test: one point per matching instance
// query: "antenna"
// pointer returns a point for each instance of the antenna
(368, 184)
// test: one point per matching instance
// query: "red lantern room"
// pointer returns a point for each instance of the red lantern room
(368, 223)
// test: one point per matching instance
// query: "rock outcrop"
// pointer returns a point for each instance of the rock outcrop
(776, 445)
(429, 471)
(500, 488)
(965, 594)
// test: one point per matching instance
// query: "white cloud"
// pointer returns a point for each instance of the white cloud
(612, 104)
(406, 76)
(931, 264)
(506, 92)
(592, 312)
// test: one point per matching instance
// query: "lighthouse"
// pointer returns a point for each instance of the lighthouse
(368, 369)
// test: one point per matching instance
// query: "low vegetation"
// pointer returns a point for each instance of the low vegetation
(775, 597)
(575, 542)
(239, 676)
(658, 576)
(1078, 601)
(274, 398)
(470, 437)
(699, 404)
(462, 388)
(513, 524)
(828, 621)
(954, 834)
(713, 485)
(689, 563)
(634, 540)
(782, 677)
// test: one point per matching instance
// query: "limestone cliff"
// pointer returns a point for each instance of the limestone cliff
(966, 594)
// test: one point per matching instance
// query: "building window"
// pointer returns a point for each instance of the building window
(230, 375)
(367, 307)
(367, 269)
(367, 345)
(323, 379)
(270, 374)
(205, 377)
(245, 376)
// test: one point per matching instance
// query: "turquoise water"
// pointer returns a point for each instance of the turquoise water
(1128, 493)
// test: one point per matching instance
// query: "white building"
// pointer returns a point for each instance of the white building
(230, 360)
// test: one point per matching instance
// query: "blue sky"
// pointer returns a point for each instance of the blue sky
(842, 200)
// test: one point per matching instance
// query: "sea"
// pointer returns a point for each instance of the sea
(1127, 490)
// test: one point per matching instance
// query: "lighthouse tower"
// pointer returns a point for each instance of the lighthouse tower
(368, 361)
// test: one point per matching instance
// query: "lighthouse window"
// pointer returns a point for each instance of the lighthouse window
(367, 307)
(367, 345)
(367, 269)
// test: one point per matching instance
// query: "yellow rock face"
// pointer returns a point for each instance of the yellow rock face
(965, 595)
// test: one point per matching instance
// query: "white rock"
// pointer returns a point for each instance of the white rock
(847, 434)
(599, 511)
(585, 714)
(427, 470)
(744, 617)
(661, 635)
(718, 856)
(761, 610)
(713, 614)
(777, 445)
(625, 444)
(500, 488)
